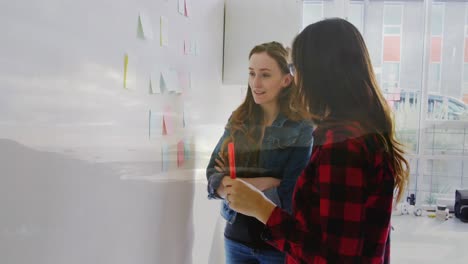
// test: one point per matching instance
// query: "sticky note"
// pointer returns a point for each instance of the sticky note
(164, 157)
(187, 149)
(180, 154)
(190, 47)
(155, 126)
(186, 47)
(129, 74)
(155, 83)
(164, 31)
(162, 83)
(149, 125)
(183, 119)
(168, 125)
(125, 71)
(164, 127)
(170, 80)
(181, 7)
(145, 30)
(197, 48)
(187, 7)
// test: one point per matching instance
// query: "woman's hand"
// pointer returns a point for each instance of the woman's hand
(221, 164)
(221, 191)
(246, 199)
(261, 183)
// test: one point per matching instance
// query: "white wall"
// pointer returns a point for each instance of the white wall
(249, 23)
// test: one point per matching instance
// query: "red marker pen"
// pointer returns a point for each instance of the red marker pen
(232, 160)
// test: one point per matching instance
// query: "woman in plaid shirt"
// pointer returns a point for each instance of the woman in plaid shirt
(342, 201)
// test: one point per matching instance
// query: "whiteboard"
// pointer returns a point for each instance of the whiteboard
(82, 177)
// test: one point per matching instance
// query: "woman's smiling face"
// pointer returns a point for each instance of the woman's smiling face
(266, 79)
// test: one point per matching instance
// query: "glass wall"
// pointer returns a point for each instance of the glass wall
(419, 50)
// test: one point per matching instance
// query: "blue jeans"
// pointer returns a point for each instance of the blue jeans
(237, 253)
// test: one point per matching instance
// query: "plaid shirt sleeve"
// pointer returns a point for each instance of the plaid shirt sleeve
(333, 209)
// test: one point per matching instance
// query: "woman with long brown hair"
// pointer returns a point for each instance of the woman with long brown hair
(343, 199)
(272, 138)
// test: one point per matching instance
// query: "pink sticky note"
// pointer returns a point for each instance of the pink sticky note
(168, 124)
(186, 7)
(164, 128)
(180, 153)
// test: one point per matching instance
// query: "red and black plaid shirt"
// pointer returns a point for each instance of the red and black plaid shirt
(342, 202)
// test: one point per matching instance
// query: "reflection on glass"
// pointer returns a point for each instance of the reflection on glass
(392, 14)
(356, 15)
(312, 12)
(394, 32)
(437, 19)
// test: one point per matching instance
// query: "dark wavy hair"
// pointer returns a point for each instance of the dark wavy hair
(336, 79)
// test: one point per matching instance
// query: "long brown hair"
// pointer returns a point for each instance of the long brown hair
(336, 79)
(245, 123)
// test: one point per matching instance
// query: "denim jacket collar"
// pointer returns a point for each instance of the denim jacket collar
(279, 121)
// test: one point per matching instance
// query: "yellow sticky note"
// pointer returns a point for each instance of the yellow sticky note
(164, 31)
(125, 71)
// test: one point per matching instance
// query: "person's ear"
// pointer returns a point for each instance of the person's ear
(287, 80)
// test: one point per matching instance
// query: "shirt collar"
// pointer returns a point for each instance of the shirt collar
(279, 121)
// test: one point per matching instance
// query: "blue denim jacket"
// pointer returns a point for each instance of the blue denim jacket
(285, 151)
